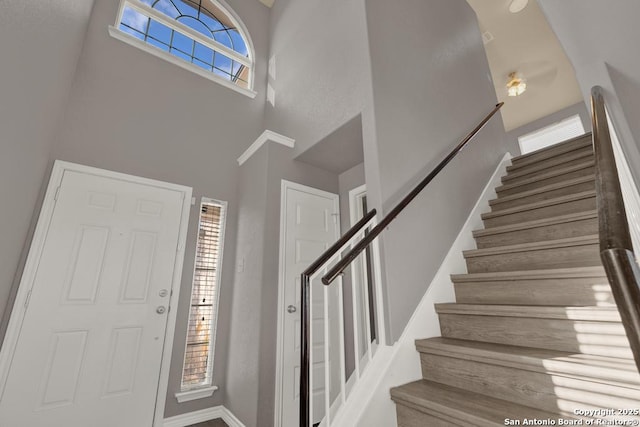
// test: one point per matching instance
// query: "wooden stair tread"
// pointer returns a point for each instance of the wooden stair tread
(544, 189)
(466, 407)
(551, 273)
(548, 175)
(588, 313)
(536, 223)
(535, 359)
(539, 204)
(547, 244)
(521, 338)
(555, 171)
(553, 150)
(517, 170)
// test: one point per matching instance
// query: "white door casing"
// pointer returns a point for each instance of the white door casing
(359, 274)
(309, 224)
(90, 336)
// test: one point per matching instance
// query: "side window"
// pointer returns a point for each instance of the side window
(199, 352)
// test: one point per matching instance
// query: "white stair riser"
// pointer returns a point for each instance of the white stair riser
(500, 203)
(561, 230)
(564, 257)
(537, 292)
(547, 211)
(578, 336)
(552, 393)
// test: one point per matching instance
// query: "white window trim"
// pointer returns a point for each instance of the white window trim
(197, 393)
(116, 33)
(207, 389)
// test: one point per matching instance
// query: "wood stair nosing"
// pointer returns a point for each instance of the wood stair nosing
(560, 219)
(623, 372)
(554, 150)
(533, 246)
(552, 171)
(462, 407)
(559, 175)
(571, 156)
(562, 292)
(591, 314)
(540, 204)
(559, 273)
(557, 206)
(560, 253)
(546, 391)
(540, 191)
(588, 335)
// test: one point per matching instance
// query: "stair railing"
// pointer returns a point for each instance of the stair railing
(361, 236)
(616, 247)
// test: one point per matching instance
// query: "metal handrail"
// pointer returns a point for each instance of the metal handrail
(352, 255)
(305, 279)
(616, 247)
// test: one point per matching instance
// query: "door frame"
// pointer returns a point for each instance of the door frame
(35, 253)
(284, 187)
(354, 197)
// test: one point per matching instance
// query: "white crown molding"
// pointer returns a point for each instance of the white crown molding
(266, 136)
(203, 415)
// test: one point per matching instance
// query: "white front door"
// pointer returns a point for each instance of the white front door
(310, 226)
(90, 347)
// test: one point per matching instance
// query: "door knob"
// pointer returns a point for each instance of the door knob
(163, 293)
(292, 309)
(161, 309)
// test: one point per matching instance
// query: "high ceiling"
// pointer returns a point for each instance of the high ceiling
(524, 42)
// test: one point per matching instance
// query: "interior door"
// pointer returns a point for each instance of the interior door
(311, 226)
(90, 347)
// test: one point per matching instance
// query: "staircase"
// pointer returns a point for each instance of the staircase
(534, 333)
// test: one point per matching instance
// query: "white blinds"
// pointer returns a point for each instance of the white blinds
(198, 359)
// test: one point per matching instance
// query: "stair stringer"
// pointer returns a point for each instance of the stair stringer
(369, 404)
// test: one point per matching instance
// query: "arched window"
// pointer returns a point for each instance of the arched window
(203, 35)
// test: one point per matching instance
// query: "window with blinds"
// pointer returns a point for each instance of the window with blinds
(198, 359)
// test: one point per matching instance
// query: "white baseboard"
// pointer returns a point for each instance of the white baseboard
(371, 406)
(203, 415)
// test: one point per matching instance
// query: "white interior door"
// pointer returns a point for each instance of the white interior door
(310, 221)
(90, 348)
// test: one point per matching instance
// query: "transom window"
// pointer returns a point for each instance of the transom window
(200, 33)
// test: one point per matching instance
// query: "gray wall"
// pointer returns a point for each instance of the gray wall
(322, 67)
(40, 43)
(134, 113)
(243, 369)
(252, 345)
(347, 181)
(580, 108)
(431, 86)
(601, 41)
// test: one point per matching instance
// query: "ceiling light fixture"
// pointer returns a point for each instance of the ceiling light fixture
(517, 5)
(516, 85)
